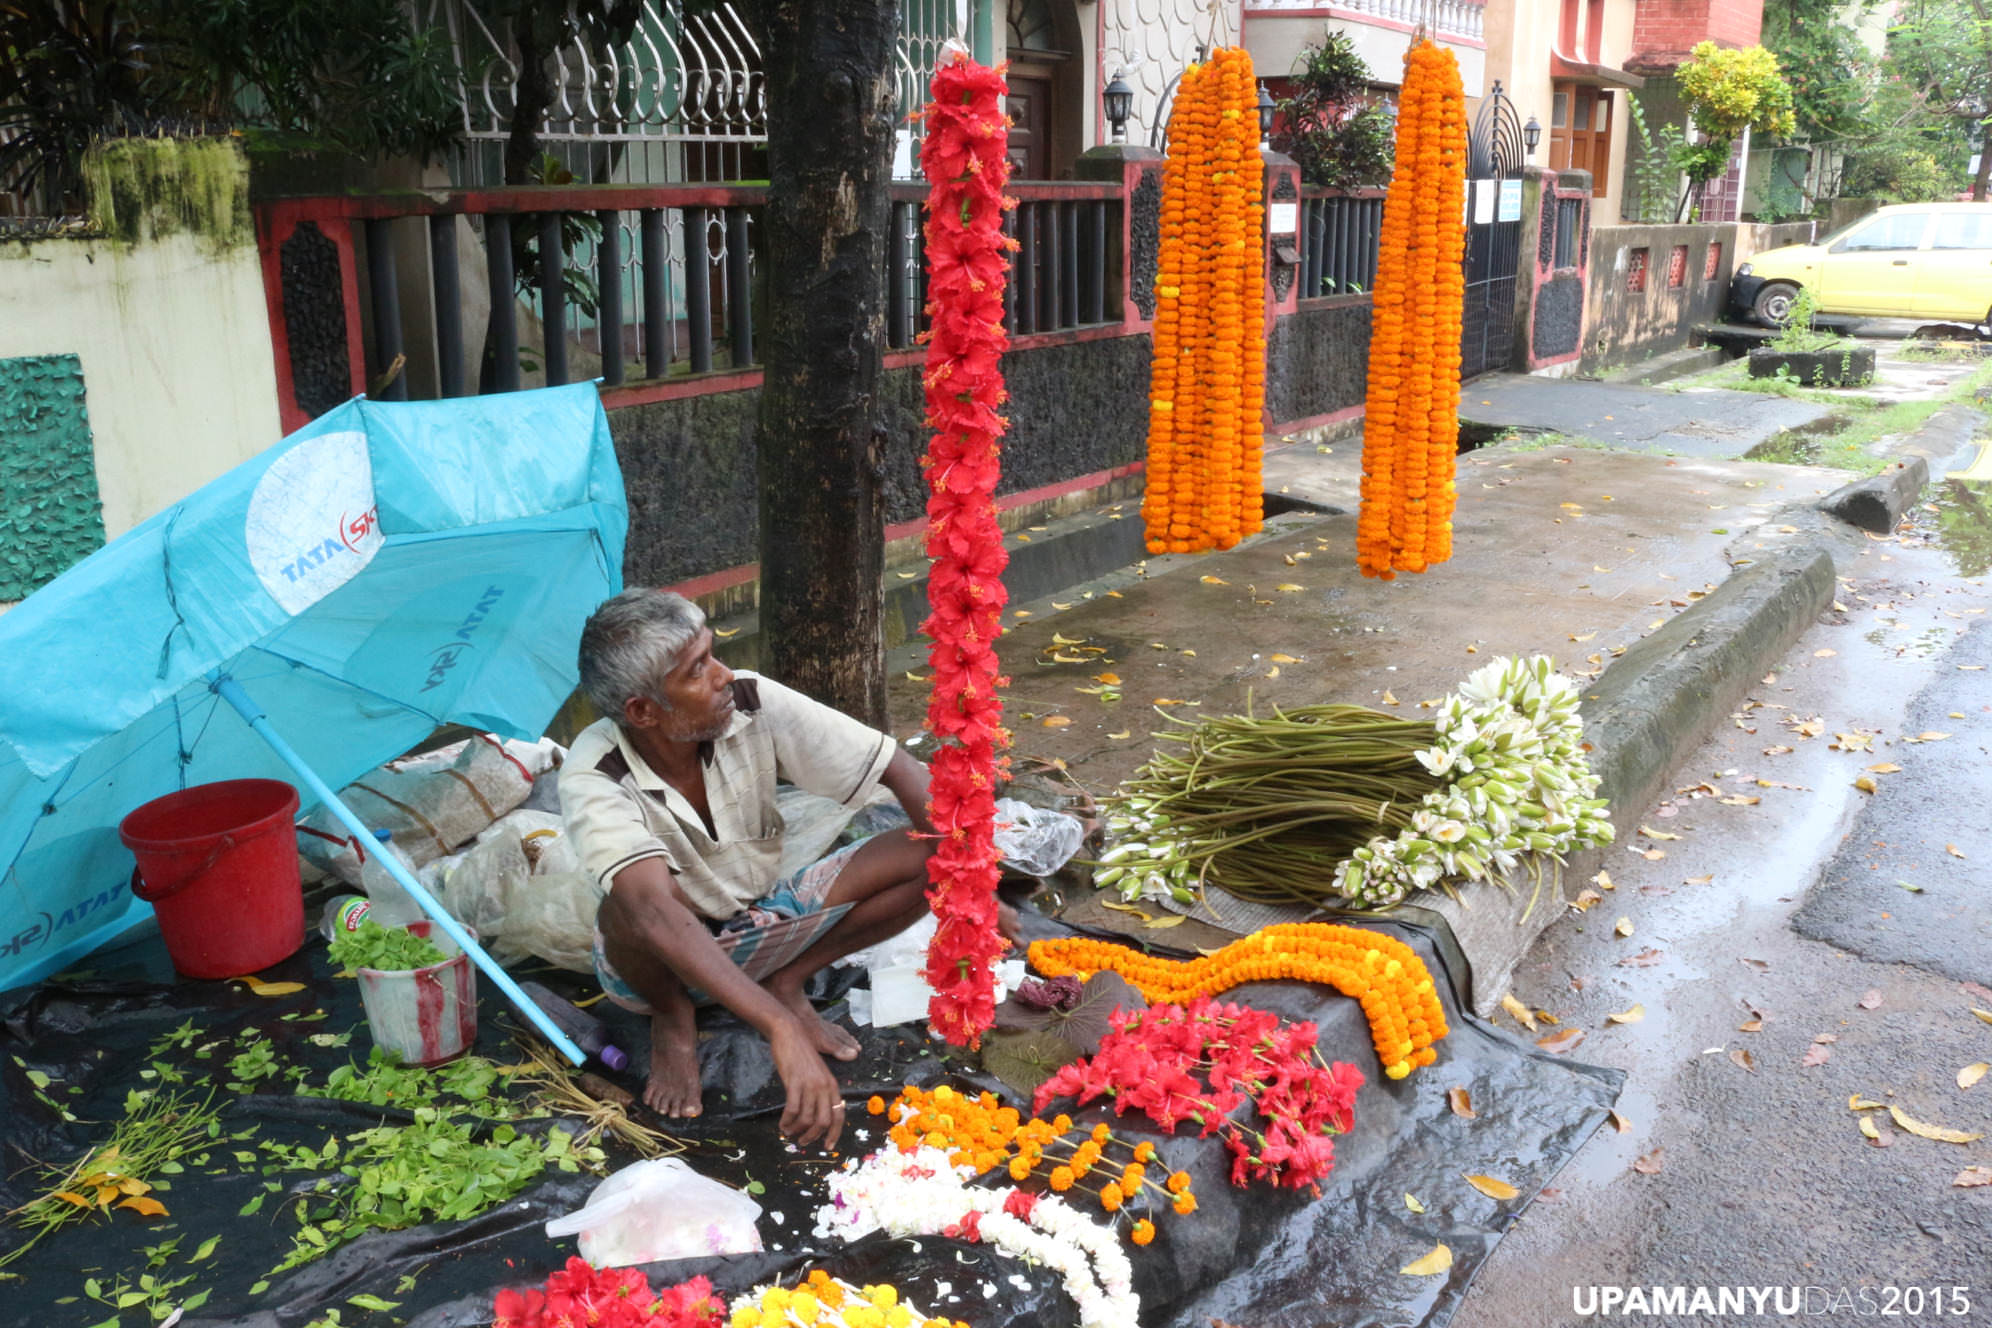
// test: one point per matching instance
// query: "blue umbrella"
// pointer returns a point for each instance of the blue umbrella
(320, 609)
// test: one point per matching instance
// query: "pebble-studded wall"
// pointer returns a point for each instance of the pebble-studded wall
(50, 516)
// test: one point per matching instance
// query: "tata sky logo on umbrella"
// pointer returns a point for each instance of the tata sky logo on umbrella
(312, 522)
(444, 657)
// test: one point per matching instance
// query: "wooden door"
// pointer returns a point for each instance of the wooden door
(1029, 105)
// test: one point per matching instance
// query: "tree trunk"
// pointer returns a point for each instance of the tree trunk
(821, 256)
(530, 99)
(1984, 167)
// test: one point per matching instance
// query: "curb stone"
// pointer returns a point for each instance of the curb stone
(1878, 502)
(1652, 707)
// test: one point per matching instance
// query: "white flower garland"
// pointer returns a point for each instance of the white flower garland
(922, 1194)
(1511, 748)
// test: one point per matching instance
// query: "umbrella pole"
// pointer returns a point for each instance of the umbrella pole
(231, 691)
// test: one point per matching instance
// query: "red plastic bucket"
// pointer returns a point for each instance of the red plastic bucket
(218, 864)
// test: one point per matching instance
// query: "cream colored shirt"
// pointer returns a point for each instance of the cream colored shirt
(618, 811)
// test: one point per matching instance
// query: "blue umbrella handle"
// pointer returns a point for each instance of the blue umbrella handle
(231, 691)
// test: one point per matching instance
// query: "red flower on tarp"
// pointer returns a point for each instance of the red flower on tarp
(581, 1295)
(965, 158)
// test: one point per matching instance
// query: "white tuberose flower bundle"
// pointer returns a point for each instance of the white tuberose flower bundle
(1510, 746)
(922, 1194)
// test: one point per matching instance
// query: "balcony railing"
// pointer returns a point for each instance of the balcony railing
(650, 282)
(1339, 230)
(1449, 18)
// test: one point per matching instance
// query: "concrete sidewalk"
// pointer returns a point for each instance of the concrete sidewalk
(1665, 583)
(1692, 422)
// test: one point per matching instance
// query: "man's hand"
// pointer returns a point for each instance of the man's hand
(815, 1108)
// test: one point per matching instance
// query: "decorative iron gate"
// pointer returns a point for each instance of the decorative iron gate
(1493, 236)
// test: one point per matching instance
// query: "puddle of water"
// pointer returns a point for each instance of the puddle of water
(1961, 526)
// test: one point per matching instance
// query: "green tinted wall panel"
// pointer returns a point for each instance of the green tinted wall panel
(49, 513)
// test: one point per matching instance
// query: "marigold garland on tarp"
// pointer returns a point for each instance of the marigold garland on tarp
(1208, 382)
(1411, 416)
(966, 164)
(1381, 972)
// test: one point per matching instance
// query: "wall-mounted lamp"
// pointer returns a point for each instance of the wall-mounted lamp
(1531, 135)
(1265, 117)
(1119, 99)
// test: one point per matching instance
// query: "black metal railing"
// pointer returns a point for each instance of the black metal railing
(646, 283)
(1339, 231)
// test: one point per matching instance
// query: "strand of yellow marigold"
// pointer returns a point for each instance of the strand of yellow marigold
(1192, 368)
(1252, 285)
(1395, 989)
(1165, 417)
(1450, 296)
(1407, 527)
(1389, 347)
(1219, 518)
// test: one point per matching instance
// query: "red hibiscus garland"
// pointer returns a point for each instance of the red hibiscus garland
(966, 162)
(581, 1294)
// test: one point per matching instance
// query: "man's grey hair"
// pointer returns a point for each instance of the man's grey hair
(630, 641)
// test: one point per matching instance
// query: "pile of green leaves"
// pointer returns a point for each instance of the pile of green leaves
(386, 1082)
(398, 1176)
(388, 949)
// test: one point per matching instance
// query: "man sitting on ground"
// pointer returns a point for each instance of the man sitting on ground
(670, 800)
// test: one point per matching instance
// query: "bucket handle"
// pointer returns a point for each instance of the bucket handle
(153, 894)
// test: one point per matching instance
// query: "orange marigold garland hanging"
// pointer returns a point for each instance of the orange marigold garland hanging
(1208, 382)
(966, 164)
(1411, 416)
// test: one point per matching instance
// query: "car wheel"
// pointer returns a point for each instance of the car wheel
(1773, 304)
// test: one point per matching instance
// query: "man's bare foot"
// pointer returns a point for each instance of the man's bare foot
(673, 1088)
(827, 1037)
(1007, 926)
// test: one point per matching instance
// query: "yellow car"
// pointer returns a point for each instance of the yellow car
(1912, 260)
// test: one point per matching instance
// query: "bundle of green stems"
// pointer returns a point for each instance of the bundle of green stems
(1266, 806)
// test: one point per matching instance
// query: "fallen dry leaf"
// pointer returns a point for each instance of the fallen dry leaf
(1971, 1074)
(1868, 1129)
(1389, 699)
(1952, 849)
(1172, 920)
(1750, 1026)
(1215, 581)
(1603, 880)
(1698, 880)
(1461, 1103)
(1652, 854)
(1656, 834)
(1493, 1188)
(1779, 751)
(1141, 913)
(1742, 1057)
(1623, 926)
(1644, 959)
(1585, 899)
(1650, 1164)
(1558, 1043)
(145, 1207)
(1741, 800)
(1816, 1055)
(1865, 784)
(1620, 1123)
(1760, 965)
(1110, 679)
(1923, 1130)
(1411, 1202)
(1972, 1176)
(1632, 1016)
(262, 988)
(1886, 768)
(1284, 659)
(1057, 721)
(1859, 1103)
(1288, 587)
(1124, 733)
(1986, 1015)
(1870, 999)
(1519, 1012)
(1438, 1261)
(1824, 654)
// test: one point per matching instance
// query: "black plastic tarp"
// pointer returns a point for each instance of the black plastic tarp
(1250, 1256)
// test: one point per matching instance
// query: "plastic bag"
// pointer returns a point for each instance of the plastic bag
(661, 1209)
(1035, 841)
(433, 801)
(522, 887)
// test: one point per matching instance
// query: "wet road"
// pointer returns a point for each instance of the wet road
(1794, 941)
